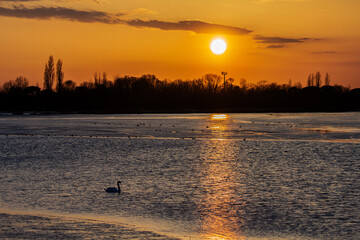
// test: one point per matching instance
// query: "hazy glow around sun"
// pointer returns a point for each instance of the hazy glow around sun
(218, 46)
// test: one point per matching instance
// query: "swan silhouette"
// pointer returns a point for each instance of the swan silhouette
(114, 189)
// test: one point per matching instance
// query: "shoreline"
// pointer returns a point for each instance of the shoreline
(24, 224)
(254, 111)
(15, 224)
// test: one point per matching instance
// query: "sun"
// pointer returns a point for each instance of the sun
(218, 46)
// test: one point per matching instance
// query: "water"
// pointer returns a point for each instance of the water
(184, 176)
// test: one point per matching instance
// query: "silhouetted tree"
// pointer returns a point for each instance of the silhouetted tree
(310, 81)
(49, 74)
(147, 93)
(212, 82)
(290, 83)
(59, 76)
(327, 79)
(243, 84)
(105, 82)
(32, 91)
(88, 85)
(69, 85)
(97, 79)
(318, 79)
(7, 86)
(104, 78)
(298, 85)
(229, 82)
(20, 83)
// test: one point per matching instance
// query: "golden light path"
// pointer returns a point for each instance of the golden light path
(219, 117)
(221, 211)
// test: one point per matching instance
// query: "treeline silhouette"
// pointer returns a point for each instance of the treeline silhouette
(148, 94)
(210, 93)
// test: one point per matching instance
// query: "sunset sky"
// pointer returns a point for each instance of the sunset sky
(272, 40)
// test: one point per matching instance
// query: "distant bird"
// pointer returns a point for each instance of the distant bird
(114, 189)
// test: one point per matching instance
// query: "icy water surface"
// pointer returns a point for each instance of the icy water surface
(184, 176)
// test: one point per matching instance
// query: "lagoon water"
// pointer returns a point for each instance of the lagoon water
(184, 176)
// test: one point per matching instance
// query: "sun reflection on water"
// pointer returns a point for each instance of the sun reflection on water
(219, 125)
(219, 116)
(221, 207)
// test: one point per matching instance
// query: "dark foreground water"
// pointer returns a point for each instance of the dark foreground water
(189, 176)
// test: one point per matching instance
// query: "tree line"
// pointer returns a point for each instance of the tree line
(210, 93)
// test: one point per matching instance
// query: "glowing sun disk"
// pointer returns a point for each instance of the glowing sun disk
(218, 46)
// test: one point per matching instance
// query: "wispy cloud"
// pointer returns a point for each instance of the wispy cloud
(324, 52)
(90, 16)
(194, 26)
(60, 13)
(103, 17)
(18, 0)
(279, 40)
(276, 46)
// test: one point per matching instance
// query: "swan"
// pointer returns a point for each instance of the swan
(113, 189)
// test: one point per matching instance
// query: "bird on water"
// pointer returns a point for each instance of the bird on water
(114, 189)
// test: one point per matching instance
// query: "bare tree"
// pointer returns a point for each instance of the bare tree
(230, 81)
(104, 78)
(49, 74)
(105, 82)
(70, 85)
(298, 85)
(7, 86)
(327, 79)
(59, 76)
(19, 83)
(211, 82)
(289, 85)
(318, 79)
(310, 81)
(97, 79)
(243, 84)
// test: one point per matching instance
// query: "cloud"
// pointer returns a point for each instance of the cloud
(60, 13)
(194, 26)
(276, 46)
(103, 17)
(279, 40)
(18, 0)
(90, 16)
(324, 52)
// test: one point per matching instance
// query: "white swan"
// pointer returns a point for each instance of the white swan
(114, 189)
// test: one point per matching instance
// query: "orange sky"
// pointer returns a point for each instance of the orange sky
(273, 40)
